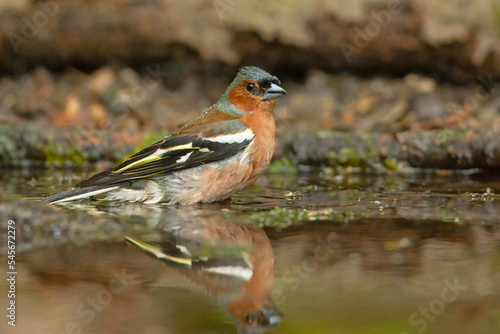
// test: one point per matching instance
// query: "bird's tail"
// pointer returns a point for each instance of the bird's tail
(79, 193)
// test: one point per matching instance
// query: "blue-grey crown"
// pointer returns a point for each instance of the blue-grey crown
(246, 72)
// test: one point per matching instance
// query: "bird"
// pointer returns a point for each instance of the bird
(210, 158)
(231, 262)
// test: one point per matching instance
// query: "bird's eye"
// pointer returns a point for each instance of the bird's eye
(255, 318)
(250, 87)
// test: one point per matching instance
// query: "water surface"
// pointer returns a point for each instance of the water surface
(352, 254)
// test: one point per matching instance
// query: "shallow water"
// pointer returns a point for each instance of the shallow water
(352, 254)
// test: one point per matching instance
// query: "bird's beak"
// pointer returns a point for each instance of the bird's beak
(273, 92)
(273, 315)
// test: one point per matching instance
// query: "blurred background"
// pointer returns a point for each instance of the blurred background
(122, 69)
(388, 152)
(149, 66)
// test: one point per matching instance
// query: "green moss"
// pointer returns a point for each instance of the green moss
(10, 152)
(34, 141)
(283, 217)
(391, 164)
(366, 137)
(368, 159)
(282, 165)
(349, 157)
(445, 136)
(57, 154)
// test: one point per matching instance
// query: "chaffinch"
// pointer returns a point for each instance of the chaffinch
(231, 262)
(209, 159)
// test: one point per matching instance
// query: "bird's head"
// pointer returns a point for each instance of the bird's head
(259, 321)
(253, 88)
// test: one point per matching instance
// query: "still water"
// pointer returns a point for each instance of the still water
(293, 253)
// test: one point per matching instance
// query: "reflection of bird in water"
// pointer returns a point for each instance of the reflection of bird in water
(234, 263)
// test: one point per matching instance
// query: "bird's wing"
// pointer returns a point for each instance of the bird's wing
(197, 146)
(223, 258)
